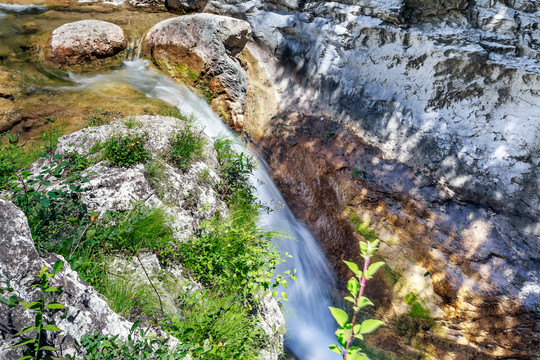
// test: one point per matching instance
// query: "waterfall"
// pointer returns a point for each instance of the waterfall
(310, 327)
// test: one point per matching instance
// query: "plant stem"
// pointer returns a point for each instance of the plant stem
(148, 277)
(360, 294)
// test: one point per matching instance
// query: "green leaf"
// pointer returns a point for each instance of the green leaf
(58, 267)
(135, 325)
(340, 316)
(25, 357)
(354, 286)
(349, 298)
(25, 330)
(73, 220)
(369, 326)
(90, 234)
(55, 305)
(363, 302)
(30, 341)
(51, 327)
(48, 348)
(354, 268)
(373, 269)
(335, 349)
(30, 305)
(44, 202)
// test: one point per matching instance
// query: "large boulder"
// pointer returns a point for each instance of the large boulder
(203, 49)
(87, 312)
(83, 41)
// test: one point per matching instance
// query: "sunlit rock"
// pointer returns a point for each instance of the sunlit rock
(83, 41)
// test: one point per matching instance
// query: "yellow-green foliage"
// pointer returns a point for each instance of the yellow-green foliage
(362, 228)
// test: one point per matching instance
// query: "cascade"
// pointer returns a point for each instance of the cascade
(310, 326)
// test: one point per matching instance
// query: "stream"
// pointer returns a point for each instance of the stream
(310, 326)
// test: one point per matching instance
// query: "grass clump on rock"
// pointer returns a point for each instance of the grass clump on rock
(186, 147)
(126, 150)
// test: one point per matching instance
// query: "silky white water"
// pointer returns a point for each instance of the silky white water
(310, 327)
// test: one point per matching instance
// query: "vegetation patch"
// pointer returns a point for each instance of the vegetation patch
(126, 150)
(362, 228)
(187, 146)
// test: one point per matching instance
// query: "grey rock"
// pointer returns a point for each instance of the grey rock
(454, 95)
(87, 312)
(83, 41)
(111, 188)
(208, 45)
(185, 6)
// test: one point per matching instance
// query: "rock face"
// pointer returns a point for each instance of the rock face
(447, 92)
(83, 41)
(87, 312)
(185, 6)
(448, 87)
(202, 49)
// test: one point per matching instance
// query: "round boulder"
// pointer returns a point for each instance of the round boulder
(83, 41)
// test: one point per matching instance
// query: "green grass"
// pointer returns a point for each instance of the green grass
(126, 150)
(186, 147)
(220, 325)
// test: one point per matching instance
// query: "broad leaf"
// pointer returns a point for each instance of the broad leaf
(369, 326)
(25, 330)
(58, 267)
(51, 327)
(340, 316)
(48, 348)
(23, 343)
(335, 349)
(373, 269)
(354, 286)
(354, 268)
(363, 302)
(55, 305)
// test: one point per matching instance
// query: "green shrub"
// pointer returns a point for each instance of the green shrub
(126, 150)
(186, 147)
(218, 327)
(236, 169)
(12, 159)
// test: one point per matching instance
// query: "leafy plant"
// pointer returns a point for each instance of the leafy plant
(348, 331)
(12, 159)
(104, 347)
(217, 326)
(45, 305)
(186, 147)
(236, 169)
(126, 150)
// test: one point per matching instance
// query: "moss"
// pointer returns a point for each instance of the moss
(362, 228)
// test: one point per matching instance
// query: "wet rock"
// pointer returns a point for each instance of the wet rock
(202, 49)
(83, 41)
(185, 6)
(87, 312)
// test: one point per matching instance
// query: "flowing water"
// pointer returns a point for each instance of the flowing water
(310, 326)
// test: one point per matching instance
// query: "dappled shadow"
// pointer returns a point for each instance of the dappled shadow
(487, 291)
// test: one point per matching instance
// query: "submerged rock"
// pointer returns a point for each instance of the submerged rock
(83, 41)
(203, 50)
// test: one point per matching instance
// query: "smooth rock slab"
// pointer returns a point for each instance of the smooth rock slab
(84, 41)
